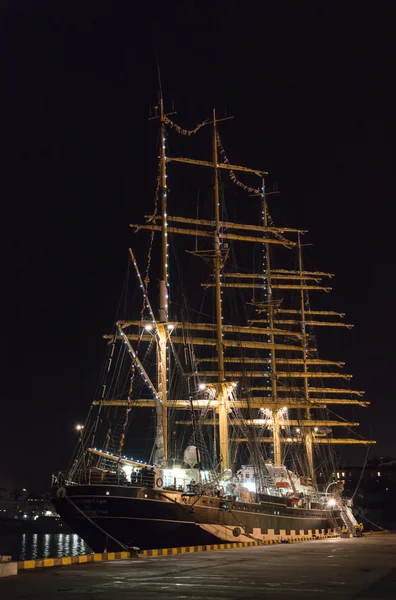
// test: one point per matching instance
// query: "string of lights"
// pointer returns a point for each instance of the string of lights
(180, 130)
(233, 177)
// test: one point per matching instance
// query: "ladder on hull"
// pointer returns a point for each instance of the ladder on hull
(349, 520)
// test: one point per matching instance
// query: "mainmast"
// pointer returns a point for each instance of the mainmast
(221, 391)
(270, 313)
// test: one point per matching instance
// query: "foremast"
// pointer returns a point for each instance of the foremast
(162, 331)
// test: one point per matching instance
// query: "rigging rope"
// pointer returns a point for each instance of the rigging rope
(95, 524)
(146, 280)
(361, 474)
(368, 520)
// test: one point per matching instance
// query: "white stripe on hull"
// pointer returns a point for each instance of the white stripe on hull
(227, 533)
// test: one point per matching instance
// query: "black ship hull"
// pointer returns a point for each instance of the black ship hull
(113, 517)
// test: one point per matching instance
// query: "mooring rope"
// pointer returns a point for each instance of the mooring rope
(96, 525)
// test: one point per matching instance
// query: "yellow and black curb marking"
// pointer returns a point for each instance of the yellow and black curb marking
(71, 560)
(189, 549)
(105, 556)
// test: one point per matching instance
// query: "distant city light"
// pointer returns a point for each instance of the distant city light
(148, 327)
(79, 427)
(202, 386)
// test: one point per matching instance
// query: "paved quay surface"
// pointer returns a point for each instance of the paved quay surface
(363, 568)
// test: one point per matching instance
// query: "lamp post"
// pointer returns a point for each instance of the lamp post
(332, 501)
(80, 429)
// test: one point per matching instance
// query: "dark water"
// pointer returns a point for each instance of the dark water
(26, 546)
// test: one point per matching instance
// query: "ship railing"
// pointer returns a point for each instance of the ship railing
(102, 477)
(188, 486)
(62, 478)
(176, 483)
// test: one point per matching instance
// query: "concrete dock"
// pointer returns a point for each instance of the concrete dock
(362, 568)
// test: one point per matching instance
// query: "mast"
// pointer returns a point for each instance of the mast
(163, 311)
(275, 412)
(278, 325)
(221, 391)
(162, 428)
(307, 430)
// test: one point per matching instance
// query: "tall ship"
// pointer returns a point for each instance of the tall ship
(216, 416)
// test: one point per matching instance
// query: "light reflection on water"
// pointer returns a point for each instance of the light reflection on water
(46, 544)
(28, 546)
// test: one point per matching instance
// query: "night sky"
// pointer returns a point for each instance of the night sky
(311, 86)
